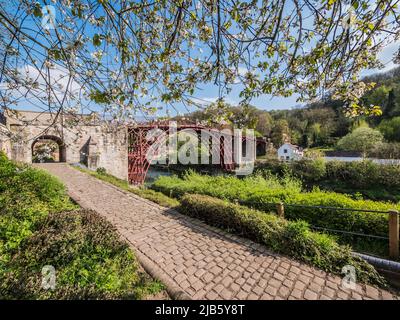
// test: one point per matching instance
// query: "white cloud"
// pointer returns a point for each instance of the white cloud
(57, 77)
(205, 101)
(386, 57)
(241, 71)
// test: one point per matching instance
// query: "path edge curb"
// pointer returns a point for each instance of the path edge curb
(173, 290)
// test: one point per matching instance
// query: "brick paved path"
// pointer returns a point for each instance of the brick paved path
(202, 261)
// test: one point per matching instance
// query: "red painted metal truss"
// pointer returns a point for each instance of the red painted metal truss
(147, 142)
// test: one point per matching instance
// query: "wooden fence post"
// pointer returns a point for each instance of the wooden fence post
(394, 234)
(280, 209)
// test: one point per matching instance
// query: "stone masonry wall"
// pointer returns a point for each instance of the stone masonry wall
(5, 143)
(97, 145)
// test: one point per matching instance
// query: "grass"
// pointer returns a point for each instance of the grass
(40, 225)
(90, 261)
(149, 194)
(261, 192)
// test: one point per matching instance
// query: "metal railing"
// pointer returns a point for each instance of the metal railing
(393, 220)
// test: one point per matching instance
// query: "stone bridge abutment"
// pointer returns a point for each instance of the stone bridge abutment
(80, 139)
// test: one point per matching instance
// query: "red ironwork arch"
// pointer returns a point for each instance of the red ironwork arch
(139, 145)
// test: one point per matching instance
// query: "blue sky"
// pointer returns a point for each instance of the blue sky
(209, 92)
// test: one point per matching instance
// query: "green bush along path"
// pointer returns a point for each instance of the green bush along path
(293, 238)
(262, 192)
(200, 260)
(40, 225)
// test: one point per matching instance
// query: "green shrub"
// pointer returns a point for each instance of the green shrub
(261, 193)
(90, 262)
(309, 170)
(364, 174)
(362, 139)
(27, 196)
(291, 238)
(390, 128)
(353, 221)
(386, 150)
(273, 166)
(101, 170)
(358, 174)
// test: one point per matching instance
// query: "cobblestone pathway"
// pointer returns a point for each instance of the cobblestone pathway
(202, 261)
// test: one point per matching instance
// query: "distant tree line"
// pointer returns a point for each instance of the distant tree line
(323, 123)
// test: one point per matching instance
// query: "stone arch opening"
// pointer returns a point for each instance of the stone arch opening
(48, 148)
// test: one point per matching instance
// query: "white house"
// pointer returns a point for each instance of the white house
(289, 151)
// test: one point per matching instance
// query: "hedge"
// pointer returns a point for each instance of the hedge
(258, 192)
(364, 174)
(90, 260)
(27, 196)
(357, 174)
(286, 237)
(39, 226)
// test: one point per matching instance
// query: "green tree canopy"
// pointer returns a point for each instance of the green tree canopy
(362, 139)
(280, 132)
(390, 129)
